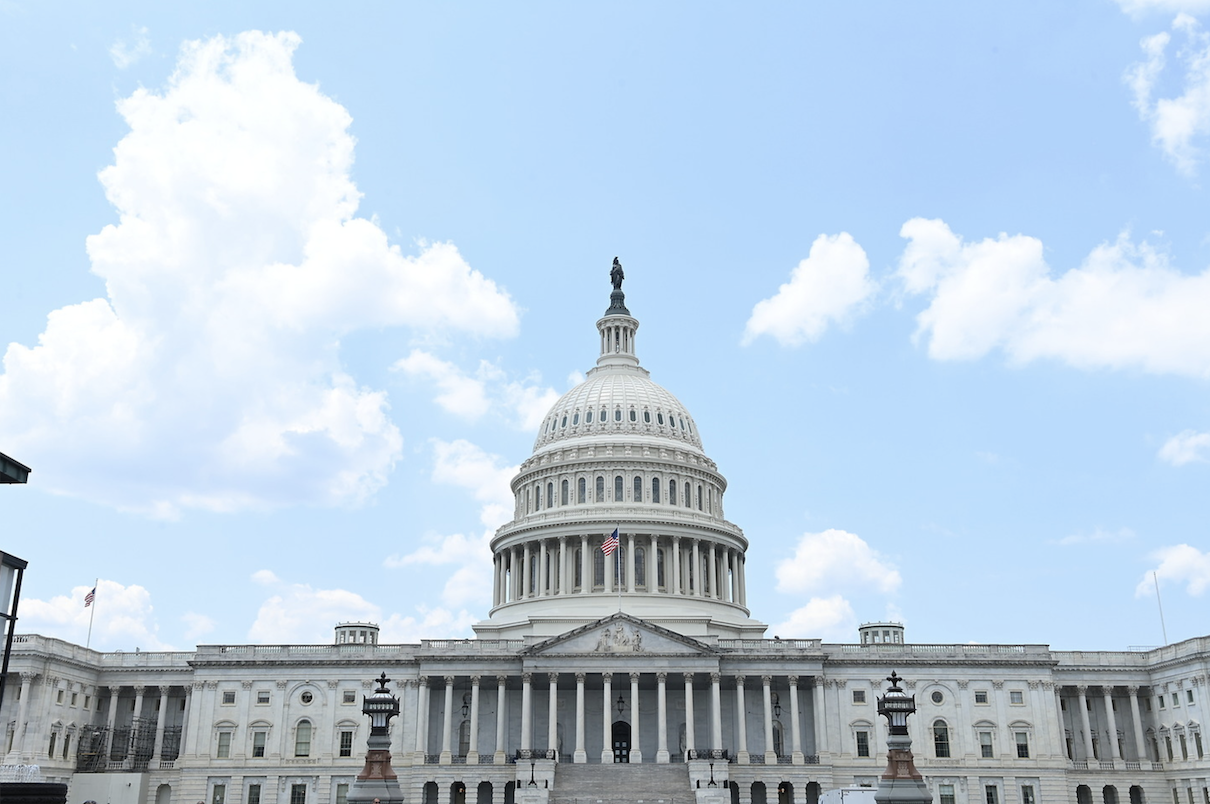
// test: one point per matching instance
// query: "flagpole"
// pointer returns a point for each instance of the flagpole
(92, 616)
(617, 554)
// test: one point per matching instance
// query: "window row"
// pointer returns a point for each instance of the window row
(539, 496)
(255, 793)
(670, 421)
(304, 733)
(942, 746)
(305, 697)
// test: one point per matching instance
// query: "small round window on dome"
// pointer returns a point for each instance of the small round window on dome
(659, 417)
(576, 418)
(647, 417)
(588, 417)
(617, 415)
(564, 420)
(634, 417)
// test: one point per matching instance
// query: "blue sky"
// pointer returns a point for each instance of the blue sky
(286, 288)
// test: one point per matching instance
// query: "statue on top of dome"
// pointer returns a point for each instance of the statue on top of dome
(616, 274)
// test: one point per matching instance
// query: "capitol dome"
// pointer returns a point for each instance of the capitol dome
(618, 454)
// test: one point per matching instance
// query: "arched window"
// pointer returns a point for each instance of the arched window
(563, 493)
(640, 566)
(707, 575)
(699, 496)
(659, 569)
(575, 419)
(655, 489)
(598, 567)
(533, 572)
(538, 497)
(777, 738)
(638, 489)
(604, 418)
(687, 500)
(302, 739)
(709, 501)
(588, 417)
(617, 414)
(646, 417)
(672, 492)
(464, 734)
(617, 488)
(528, 502)
(659, 417)
(600, 489)
(582, 491)
(941, 739)
(634, 417)
(550, 495)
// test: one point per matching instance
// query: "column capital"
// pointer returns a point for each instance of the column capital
(212, 685)
(998, 684)
(766, 680)
(449, 681)
(28, 677)
(1049, 685)
(1133, 689)
(661, 677)
(475, 680)
(164, 688)
(1107, 690)
(527, 678)
(739, 680)
(1082, 689)
(246, 684)
(688, 677)
(634, 678)
(423, 681)
(793, 681)
(607, 677)
(501, 680)
(579, 678)
(1034, 683)
(714, 678)
(554, 678)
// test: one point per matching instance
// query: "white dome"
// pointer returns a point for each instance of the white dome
(631, 405)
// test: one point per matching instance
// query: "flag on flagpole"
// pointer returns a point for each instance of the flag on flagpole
(610, 544)
(90, 597)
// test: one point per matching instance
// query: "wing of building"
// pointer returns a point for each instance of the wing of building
(627, 674)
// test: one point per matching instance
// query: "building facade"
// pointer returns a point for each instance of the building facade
(637, 672)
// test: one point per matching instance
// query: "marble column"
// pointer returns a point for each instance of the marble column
(630, 567)
(1062, 725)
(1107, 693)
(1082, 689)
(653, 565)
(1140, 742)
(501, 754)
(159, 728)
(446, 753)
(817, 716)
(527, 725)
(676, 565)
(770, 754)
(695, 576)
(661, 754)
(741, 722)
(716, 713)
(526, 573)
(796, 731)
(713, 574)
(743, 584)
(543, 567)
(112, 719)
(689, 726)
(552, 715)
(563, 565)
(636, 753)
(422, 706)
(585, 567)
(27, 680)
(606, 718)
(472, 752)
(581, 756)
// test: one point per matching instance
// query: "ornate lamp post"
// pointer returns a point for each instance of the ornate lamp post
(901, 783)
(377, 780)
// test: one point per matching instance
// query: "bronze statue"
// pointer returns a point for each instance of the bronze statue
(616, 275)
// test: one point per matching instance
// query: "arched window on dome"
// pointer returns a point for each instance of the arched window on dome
(604, 417)
(564, 425)
(688, 502)
(699, 496)
(655, 489)
(598, 567)
(640, 567)
(582, 491)
(617, 414)
(575, 418)
(617, 488)
(537, 496)
(709, 500)
(659, 570)
(600, 489)
(659, 417)
(638, 489)
(682, 421)
(706, 575)
(634, 416)
(579, 572)
(563, 500)
(550, 495)
(646, 417)
(533, 572)
(528, 502)
(672, 492)
(588, 417)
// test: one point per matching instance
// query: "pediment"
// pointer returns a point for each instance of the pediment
(620, 634)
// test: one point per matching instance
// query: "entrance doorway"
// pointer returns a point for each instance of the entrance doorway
(621, 741)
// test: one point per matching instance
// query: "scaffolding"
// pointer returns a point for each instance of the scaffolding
(126, 748)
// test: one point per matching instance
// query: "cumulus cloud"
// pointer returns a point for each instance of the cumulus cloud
(125, 618)
(836, 559)
(209, 377)
(461, 463)
(430, 624)
(1178, 124)
(1186, 447)
(829, 618)
(828, 287)
(470, 396)
(1124, 307)
(197, 625)
(126, 53)
(1179, 564)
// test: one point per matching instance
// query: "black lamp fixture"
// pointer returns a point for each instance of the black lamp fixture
(712, 783)
(896, 706)
(532, 781)
(466, 709)
(621, 705)
(777, 709)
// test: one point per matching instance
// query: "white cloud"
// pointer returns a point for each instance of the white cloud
(1186, 447)
(122, 617)
(124, 54)
(835, 559)
(829, 618)
(1178, 124)
(1124, 307)
(828, 287)
(431, 624)
(303, 615)
(1179, 564)
(1137, 7)
(1098, 536)
(523, 403)
(197, 624)
(460, 394)
(266, 577)
(209, 377)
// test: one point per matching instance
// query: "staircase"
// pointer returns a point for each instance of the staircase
(621, 784)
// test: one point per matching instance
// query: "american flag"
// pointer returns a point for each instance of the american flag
(610, 544)
(90, 597)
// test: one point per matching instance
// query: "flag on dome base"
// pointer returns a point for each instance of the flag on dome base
(610, 544)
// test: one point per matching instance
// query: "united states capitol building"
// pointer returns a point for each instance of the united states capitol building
(638, 675)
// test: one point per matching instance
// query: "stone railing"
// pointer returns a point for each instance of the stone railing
(923, 651)
(771, 645)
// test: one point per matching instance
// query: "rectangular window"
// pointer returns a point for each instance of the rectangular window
(1022, 745)
(1161, 699)
(980, 696)
(863, 743)
(1189, 794)
(1168, 746)
(1176, 699)
(1027, 794)
(254, 794)
(349, 697)
(1147, 701)
(59, 697)
(1176, 796)
(1016, 697)
(945, 794)
(262, 696)
(54, 736)
(228, 697)
(1189, 697)
(858, 696)
(1197, 743)
(87, 701)
(991, 794)
(298, 794)
(74, 696)
(985, 744)
(302, 739)
(224, 745)
(1184, 748)
(219, 794)
(346, 743)
(342, 794)
(258, 743)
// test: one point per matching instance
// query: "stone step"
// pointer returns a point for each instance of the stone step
(610, 784)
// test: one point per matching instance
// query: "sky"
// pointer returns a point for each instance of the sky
(285, 289)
